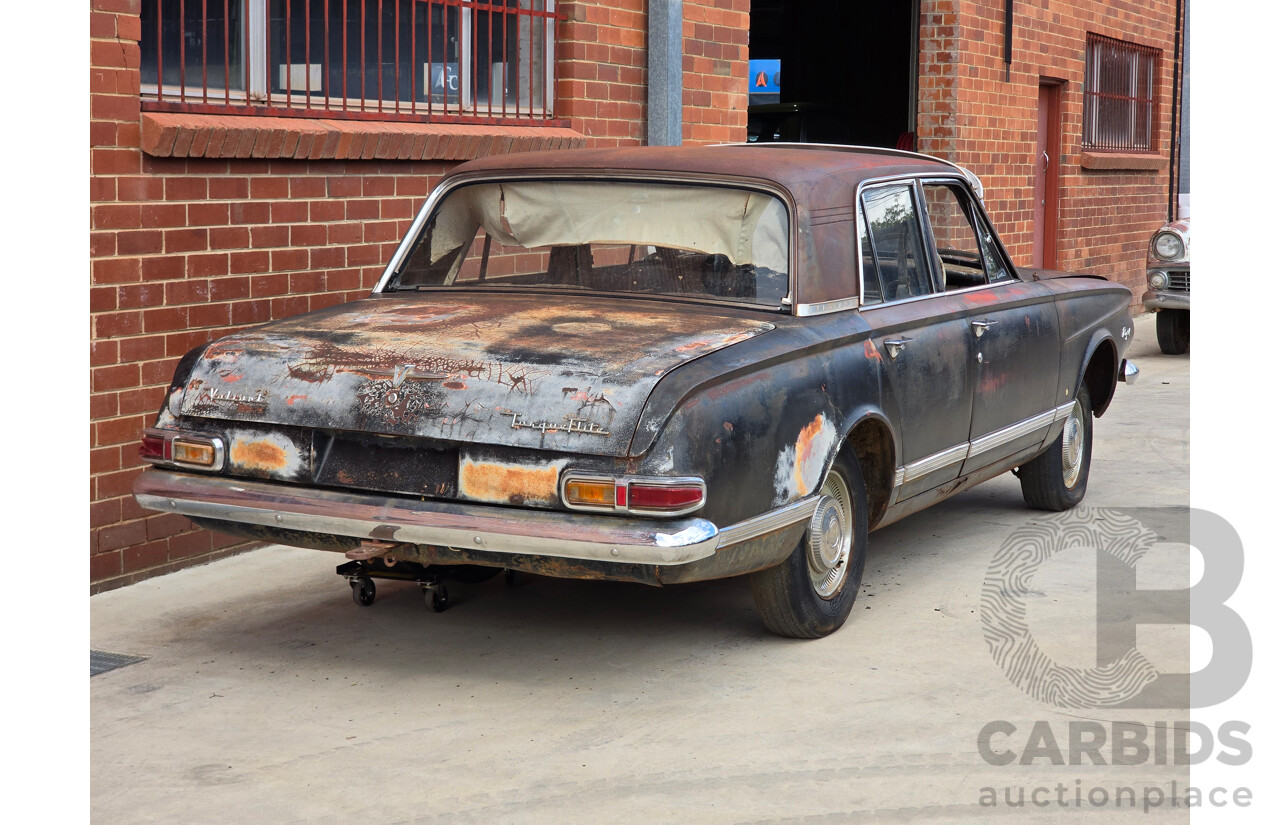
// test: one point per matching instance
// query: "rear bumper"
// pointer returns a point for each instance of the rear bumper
(477, 528)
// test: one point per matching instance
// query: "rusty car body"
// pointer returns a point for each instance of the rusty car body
(1169, 285)
(655, 365)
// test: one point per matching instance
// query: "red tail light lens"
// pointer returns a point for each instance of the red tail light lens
(153, 447)
(665, 497)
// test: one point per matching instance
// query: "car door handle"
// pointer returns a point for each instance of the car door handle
(895, 345)
(980, 327)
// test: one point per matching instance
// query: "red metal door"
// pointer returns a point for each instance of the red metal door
(1048, 151)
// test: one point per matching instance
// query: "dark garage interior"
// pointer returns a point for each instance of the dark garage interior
(847, 70)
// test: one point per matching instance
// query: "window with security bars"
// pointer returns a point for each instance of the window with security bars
(1119, 95)
(459, 60)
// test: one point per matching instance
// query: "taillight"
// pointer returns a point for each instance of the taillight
(648, 495)
(194, 450)
(581, 492)
(645, 496)
(153, 446)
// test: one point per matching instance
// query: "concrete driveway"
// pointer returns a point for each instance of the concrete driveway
(268, 696)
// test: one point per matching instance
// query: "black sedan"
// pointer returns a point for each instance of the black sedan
(657, 365)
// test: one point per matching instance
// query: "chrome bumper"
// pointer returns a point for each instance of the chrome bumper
(1165, 299)
(446, 524)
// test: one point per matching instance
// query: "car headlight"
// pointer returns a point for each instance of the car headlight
(1158, 279)
(1167, 246)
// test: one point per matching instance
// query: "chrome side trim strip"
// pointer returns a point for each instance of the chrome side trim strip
(935, 462)
(969, 449)
(768, 522)
(991, 441)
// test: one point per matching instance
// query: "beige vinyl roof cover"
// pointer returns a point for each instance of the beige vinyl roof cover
(747, 227)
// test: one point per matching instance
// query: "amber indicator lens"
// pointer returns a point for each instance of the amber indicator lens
(193, 452)
(589, 493)
(663, 497)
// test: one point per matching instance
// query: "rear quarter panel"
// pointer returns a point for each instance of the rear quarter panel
(1092, 313)
(762, 421)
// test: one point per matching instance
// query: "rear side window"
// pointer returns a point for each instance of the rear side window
(967, 254)
(897, 246)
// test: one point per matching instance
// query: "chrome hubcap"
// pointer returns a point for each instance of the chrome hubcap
(830, 537)
(1073, 446)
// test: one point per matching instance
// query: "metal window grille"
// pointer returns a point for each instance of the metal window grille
(1119, 95)
(441, 60)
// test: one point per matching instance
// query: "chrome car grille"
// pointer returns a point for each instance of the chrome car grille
(1180, 281)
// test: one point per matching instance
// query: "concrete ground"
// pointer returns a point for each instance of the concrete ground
(268, 696)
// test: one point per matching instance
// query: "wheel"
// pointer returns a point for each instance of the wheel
(1056, 479)
(1173, 330)
(438, 597)
(363, 591)
(810, 594)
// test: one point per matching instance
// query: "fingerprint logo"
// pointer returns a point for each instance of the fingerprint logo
(1004, 609)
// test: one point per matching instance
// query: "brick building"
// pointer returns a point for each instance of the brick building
(253, 159)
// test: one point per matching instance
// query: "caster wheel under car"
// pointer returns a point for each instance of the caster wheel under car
(363, 591)
(437, 596)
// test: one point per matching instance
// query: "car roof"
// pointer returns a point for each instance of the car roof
(797, 167)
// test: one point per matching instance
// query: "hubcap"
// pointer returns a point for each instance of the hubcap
(1073, 446)
(830, 537)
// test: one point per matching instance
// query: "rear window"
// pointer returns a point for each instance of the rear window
(624, 237)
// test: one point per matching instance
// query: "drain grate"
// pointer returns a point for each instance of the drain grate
(100, 661)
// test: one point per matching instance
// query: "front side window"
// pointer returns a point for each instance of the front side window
(897, 245)
(393, 58)
(1119, 95)
(621, 237)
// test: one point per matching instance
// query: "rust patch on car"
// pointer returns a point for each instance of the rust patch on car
(873, 354)
(509, 483)
(264, 454)
(258, 455)
(799, 469)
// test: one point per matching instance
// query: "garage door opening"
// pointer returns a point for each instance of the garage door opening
(834, 71)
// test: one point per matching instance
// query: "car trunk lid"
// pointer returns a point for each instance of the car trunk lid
(502, 369)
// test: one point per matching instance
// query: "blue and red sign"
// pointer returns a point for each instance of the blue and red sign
(766, 77)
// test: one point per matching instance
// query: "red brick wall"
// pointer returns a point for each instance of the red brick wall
(601, 74)
(715, 70)
(969, 113)
(184, 250)
(603, 70)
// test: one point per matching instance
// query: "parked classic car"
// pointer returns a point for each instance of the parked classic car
(1169, 285)
(655, 365)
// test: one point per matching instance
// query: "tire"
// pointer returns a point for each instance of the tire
(1173, 330)
(363, 591)
(1056, 479)
(809, 595)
